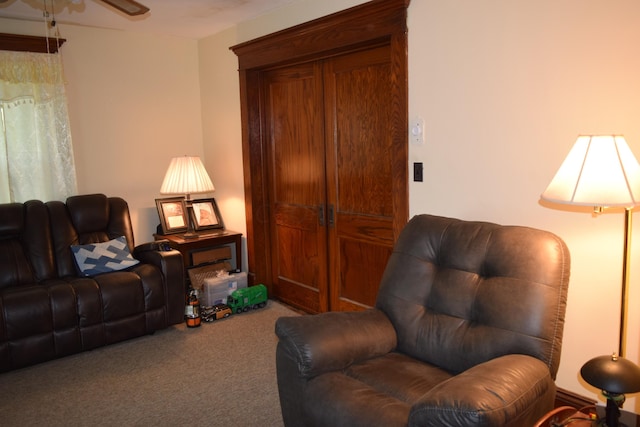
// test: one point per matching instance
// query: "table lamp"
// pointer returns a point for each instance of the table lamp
(615, 376)
(601, 171)
(187, 175)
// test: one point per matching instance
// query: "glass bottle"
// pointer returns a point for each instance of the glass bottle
(192, 310)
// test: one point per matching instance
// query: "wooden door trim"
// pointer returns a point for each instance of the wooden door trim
(360, 27)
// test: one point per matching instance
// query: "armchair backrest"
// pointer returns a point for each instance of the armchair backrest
(460, 293)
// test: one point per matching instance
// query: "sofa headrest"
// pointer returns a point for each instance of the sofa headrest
(12, 223)
(26, 253)
(89, 212)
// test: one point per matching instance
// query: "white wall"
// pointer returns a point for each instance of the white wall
(504, 88)
(221, 129)
(134, 102)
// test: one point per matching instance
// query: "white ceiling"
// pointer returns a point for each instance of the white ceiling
(183, 18)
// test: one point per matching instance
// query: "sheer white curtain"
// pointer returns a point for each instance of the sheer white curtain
(36, 155)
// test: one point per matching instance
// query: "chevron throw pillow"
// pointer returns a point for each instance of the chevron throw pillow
(104, 257)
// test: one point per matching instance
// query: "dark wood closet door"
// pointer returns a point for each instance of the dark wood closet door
(297, 185)
(330, 179)
(360, 171)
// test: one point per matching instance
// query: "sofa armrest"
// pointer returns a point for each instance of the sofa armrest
(332, 341)
(512, 390)
(171, 266)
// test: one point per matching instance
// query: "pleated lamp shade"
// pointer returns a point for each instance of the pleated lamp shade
(598, 171)
(186, 175)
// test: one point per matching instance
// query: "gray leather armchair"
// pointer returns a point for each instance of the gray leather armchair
(466, 331)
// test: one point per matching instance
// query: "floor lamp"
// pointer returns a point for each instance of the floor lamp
(601, 171)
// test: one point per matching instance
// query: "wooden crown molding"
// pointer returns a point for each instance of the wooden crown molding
(20, 43)
(377, 19)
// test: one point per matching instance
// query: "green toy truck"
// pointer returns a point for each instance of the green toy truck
(245, 299)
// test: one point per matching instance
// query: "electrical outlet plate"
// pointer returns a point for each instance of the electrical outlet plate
(416, 131)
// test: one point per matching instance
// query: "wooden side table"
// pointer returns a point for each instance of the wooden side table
(209, 247)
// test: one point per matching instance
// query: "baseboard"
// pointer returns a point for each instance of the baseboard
(569, 398)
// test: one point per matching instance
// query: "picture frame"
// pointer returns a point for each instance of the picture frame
(173, 215)
(206, 214)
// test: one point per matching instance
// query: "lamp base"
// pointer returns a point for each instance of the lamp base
(190, 235)
(614, 403)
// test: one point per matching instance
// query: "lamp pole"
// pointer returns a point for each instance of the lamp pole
(626, 261)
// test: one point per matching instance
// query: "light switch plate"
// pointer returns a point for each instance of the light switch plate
(416, 131)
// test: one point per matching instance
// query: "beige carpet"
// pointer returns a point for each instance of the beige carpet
(221, 374)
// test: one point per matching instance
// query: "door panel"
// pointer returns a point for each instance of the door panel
(360, 161)
(297, 185)
(362, 265)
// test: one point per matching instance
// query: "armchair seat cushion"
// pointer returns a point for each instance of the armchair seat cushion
(385, 388)
(336, 399)
(397, 375)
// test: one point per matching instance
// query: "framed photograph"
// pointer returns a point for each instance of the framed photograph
(206, 214)
(173, 215)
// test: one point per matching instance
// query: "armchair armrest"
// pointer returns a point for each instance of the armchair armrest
(332, 341)
(171, 266)
(504, 391)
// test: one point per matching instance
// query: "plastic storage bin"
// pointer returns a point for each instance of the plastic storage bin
(216, 289)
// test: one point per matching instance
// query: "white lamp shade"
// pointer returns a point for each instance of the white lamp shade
(186, 175)
(598, 171)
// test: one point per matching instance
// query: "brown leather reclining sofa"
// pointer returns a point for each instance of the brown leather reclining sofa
(49, 309)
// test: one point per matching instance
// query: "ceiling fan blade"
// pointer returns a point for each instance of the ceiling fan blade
(130, 7)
